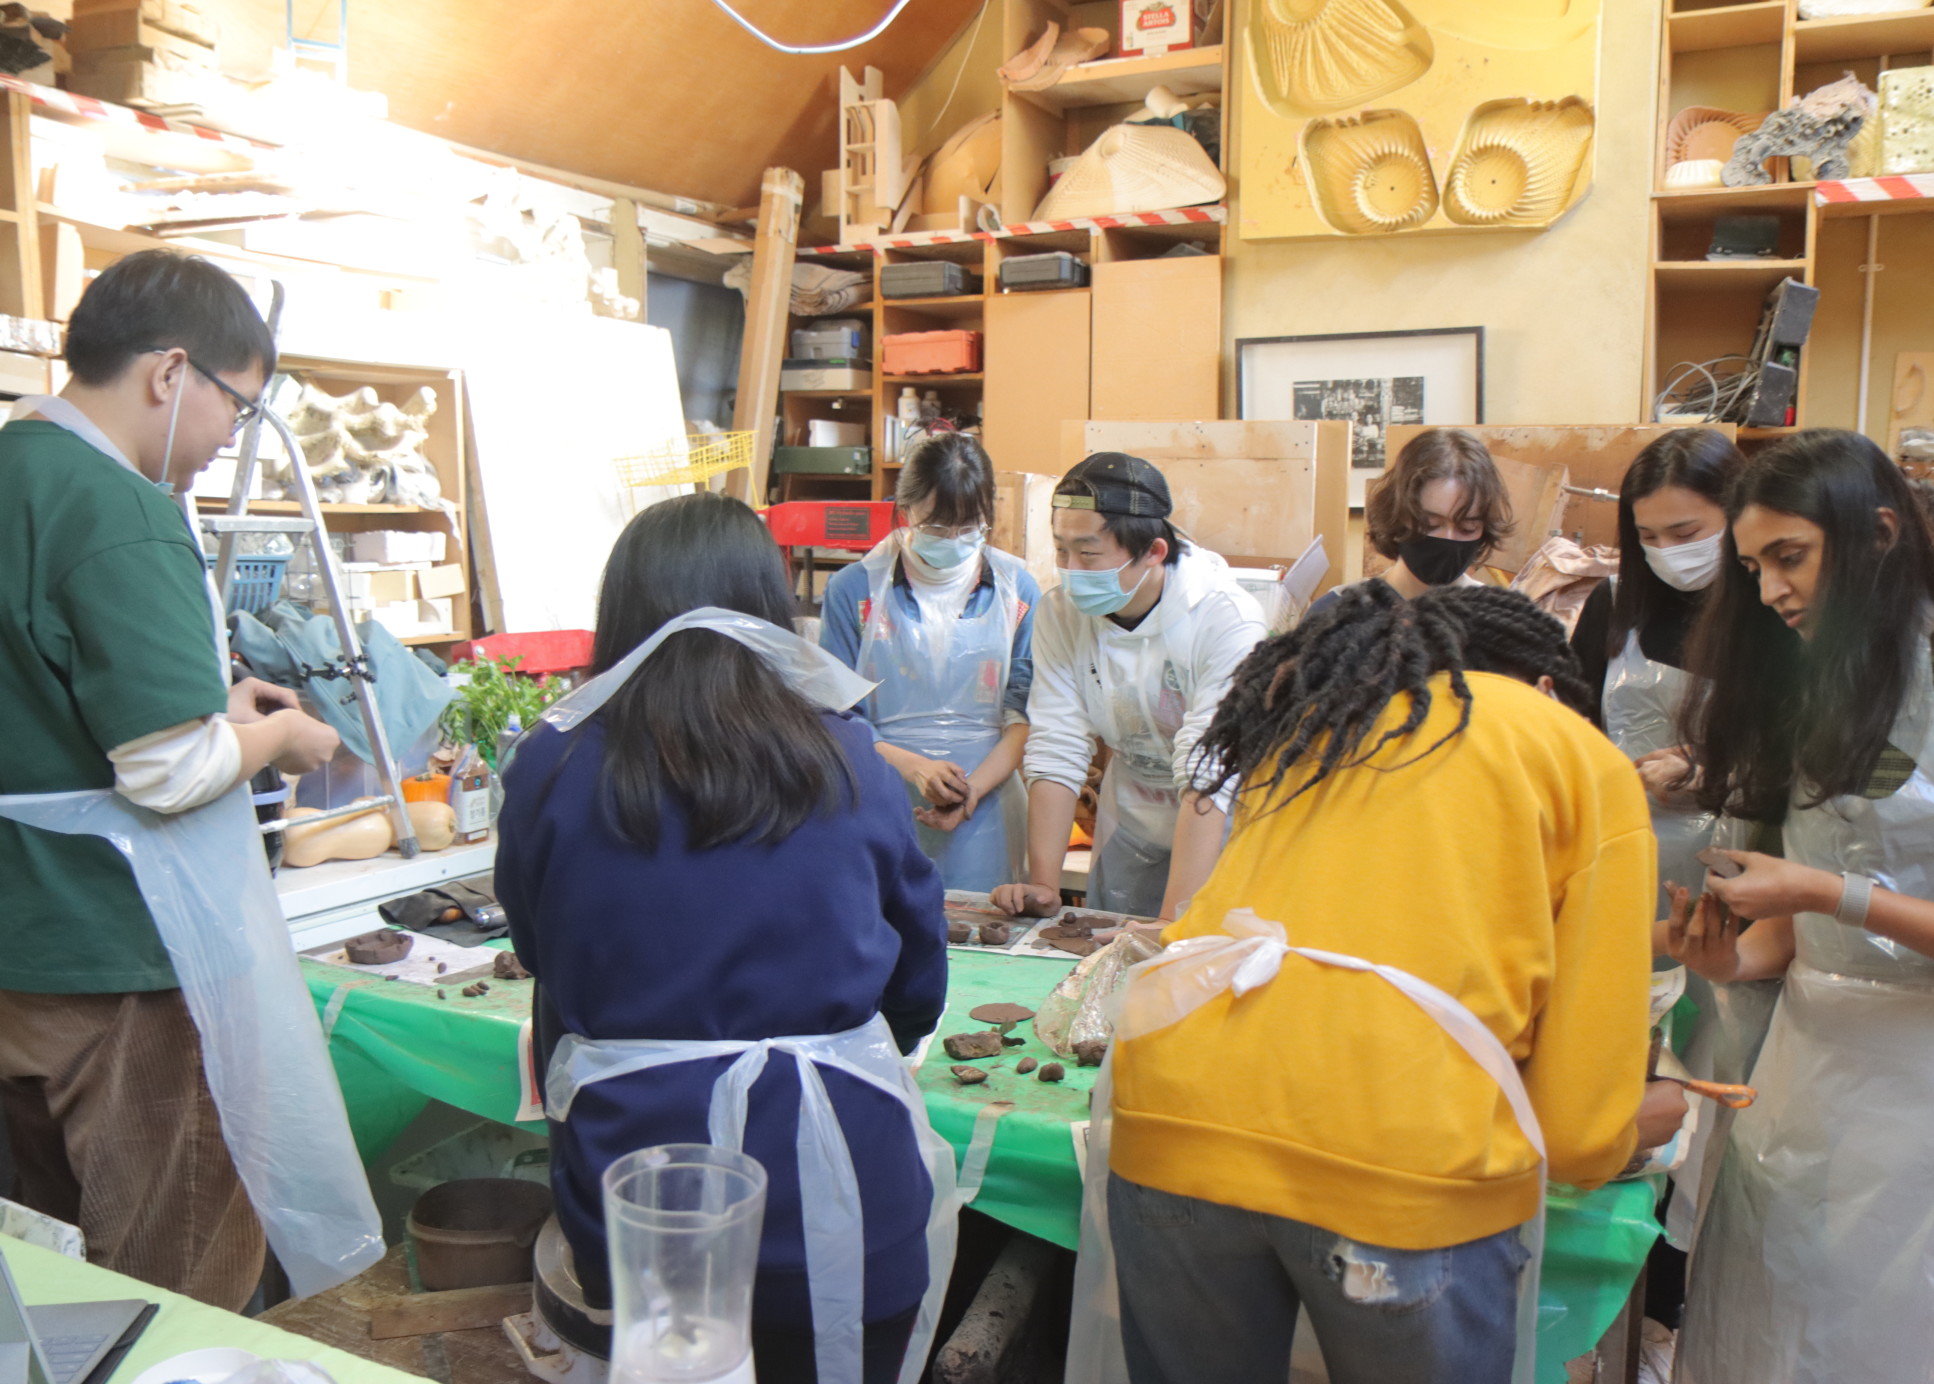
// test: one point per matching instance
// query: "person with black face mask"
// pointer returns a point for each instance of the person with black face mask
(1436, 513)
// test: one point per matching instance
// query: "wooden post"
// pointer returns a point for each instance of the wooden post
(628, 252)
(766, 308)
(24, 291)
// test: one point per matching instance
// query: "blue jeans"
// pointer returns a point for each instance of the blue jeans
(1209, 1296)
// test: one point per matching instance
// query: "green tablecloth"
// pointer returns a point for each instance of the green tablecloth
(395, 1045)
(182, 1324)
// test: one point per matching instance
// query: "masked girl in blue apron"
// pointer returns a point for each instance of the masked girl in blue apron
(714, 880)
(1306, 1084)
(1816, 1261)
(944, 624)
(1630, 640)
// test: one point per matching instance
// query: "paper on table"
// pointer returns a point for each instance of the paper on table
(420, 966)
(1304, 574)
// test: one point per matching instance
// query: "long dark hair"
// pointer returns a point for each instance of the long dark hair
(705, 722)
(1697, 459)
(1303, 703)
(1772, 706)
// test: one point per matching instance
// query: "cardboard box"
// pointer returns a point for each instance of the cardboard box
(389, 585)
(804, 377)
(129, 17)
(413, 619)
(1150, 28)
(105, 33)
(436, 582)
(392, 546)
(143, 77)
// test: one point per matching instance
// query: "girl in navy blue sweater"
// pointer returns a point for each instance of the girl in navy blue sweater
(711, 856)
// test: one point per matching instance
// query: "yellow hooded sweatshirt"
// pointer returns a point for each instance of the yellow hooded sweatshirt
(1511, 867)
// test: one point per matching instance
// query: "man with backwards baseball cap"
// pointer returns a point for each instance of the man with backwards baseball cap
(1134, 649)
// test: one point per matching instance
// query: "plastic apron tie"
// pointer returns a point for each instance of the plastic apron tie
(980, 1148)
(806, 668)
(1166, 989)
(828, 1186)
(206, 883)
(1642, 698)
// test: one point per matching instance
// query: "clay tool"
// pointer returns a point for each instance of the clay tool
(1732, 1097)
(352, 810)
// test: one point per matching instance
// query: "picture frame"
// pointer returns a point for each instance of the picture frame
(1430, 375)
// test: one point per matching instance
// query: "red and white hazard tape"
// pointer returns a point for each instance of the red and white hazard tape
(79, 107)
(1127, 220)
(1896, 187)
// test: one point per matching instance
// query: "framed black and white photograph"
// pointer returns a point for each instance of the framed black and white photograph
(1373, 380)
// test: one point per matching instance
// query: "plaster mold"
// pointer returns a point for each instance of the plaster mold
(1315, 57)
(1518, 162)
(1370, 174)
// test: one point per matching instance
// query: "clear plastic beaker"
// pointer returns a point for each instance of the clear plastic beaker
(683, 1223)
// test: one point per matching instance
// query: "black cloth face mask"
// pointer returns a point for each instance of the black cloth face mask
(1439, 561)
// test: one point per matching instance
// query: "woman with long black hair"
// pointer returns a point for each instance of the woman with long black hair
(1816, 1261)
(700, 847)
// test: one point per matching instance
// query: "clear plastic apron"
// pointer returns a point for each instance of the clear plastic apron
(829, 1197)
(1138, 801)
(942, 680)
(1168, 988)
(1816, 1262)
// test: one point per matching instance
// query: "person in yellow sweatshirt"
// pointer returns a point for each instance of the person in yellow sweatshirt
(1367, 1143)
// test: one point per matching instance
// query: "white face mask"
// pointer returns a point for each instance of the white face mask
(1688, 566)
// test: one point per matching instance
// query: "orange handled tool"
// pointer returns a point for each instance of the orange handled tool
(1732, 1097)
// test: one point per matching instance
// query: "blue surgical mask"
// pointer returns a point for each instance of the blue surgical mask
(1098, 593)
(944, 553)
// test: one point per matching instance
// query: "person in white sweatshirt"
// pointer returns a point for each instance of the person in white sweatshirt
(1133, 650)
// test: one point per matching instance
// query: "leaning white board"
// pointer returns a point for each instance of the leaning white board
(554, 401)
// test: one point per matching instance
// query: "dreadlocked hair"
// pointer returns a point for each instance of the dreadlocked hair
(1303, 703)
(1314, 694)
(1504, 632)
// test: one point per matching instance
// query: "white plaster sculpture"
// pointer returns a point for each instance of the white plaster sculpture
(360, 449)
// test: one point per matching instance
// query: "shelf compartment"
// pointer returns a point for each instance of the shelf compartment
(1703, 203)
(1118, 81)
(949, 308)
(1863, 36)
(1727, 26)
(1729, 276)
(934, 380)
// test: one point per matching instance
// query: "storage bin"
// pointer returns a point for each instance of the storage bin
(928, 279)
(823, 461)
(256, 583)
(829, 341)
(805, 374)
(1059, 269)
(931, 353)
(829, 523)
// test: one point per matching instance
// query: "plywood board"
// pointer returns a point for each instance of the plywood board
(1596, 456)
(1158, 338)
(1538, 503)
(1023, 521)
(1913, 398)
(1037, 375)
(1255, 492)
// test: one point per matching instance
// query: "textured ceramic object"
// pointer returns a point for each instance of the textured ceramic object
(1517, 162)
(1706, 132)
(360, 449)
(1134, 168)
(1818, 127)
(1369, 174)
(1696, 173)
(1317, 57)
(1906, 121)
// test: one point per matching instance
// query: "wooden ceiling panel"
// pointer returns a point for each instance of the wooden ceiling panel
(665, 94)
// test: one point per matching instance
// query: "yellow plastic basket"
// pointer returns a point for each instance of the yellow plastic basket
(689, 460)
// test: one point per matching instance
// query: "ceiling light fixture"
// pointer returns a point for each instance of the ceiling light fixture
(841, 47)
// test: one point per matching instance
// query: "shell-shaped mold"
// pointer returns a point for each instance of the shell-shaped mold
(1369, 174)
(1706, 132)
(1517, 162)
(1315, 57)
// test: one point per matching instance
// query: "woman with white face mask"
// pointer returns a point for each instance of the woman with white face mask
(945, 625)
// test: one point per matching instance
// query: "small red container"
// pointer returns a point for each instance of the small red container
(829, 523)
(931, 353)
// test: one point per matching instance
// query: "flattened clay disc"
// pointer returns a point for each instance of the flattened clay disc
(1001, 1014)
(1079, 946)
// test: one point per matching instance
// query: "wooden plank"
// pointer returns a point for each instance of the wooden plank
(1023, 521)
(628, 253)
(26, 293)
(1913, 398)
(1118, 81)
(766, 313)
(1037, 375)
(1158, 338)
(63, 264)
(1255, 492)
(457, 1309)
(1538, 503)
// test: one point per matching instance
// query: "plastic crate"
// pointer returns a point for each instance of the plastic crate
(830, 523)
(257, 581)
(931, 353)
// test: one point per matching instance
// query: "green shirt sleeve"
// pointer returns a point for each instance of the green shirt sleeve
(139, 651)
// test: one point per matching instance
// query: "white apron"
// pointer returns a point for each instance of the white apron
(1642, 700)
(1816, 1262)
(1138, 802)
(941, 681)
(829, 1196)
(1166, 989)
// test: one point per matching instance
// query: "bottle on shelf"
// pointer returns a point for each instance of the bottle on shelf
(930, 406)
(909, 409)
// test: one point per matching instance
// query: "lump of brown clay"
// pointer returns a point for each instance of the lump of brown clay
(1054, 1071)
(968, 1076)
(995, 934)
(1025, 1065)
(1079, 946)
(1013, 1040)
(1089, 1052)
(1003, 1013)
(506, 966)
(962, 1046)
(958, 933)
(379, 948)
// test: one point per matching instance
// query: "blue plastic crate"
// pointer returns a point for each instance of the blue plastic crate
(257, 581)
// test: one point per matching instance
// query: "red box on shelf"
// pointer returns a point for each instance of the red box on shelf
(829, 523)
(931, 353)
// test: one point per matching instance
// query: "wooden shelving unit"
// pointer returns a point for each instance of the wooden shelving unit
(1116, 81)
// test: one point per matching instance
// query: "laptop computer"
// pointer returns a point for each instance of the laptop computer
(65, 1343)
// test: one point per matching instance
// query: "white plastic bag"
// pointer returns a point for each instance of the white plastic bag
(1079, 1009)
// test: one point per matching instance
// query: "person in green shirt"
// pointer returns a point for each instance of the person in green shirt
(112, 674)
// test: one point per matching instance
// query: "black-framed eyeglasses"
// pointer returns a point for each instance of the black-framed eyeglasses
(245, 407)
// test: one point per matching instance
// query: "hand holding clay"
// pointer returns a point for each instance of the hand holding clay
(947, 818)
(1661, 770)
(941, 782)
(1028, 900)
